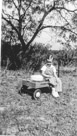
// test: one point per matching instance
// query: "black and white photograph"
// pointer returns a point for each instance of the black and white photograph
(38, 68)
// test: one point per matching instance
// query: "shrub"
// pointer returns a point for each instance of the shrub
(35, 57)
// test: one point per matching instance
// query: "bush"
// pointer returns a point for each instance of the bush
(32, 59)
(9, 55)
(66, 57)
(35, 57)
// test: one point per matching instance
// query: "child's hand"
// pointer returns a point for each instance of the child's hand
(47, 78)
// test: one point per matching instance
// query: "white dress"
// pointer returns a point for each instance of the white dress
(50, 70)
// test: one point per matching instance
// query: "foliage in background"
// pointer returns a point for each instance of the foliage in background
(66, 56)
(35, 56)
(32, 59)
(9, 56)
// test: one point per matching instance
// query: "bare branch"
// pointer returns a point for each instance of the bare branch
(9, 16)
(52, 8)
(59, 27)
(25, 26)
(9, 22)
(64, 18)
(44, 6)
(15, 4)
(41, 23)
(68, 10)
(51, 26)
(26, 9)
(38, 28)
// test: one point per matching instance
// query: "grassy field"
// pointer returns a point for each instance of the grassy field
(22, 116)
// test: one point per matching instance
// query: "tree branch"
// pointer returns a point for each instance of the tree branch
(19, 35)
(9, 22)
(52, 8)
(26, 9)
(15, 4)
(40, 24)
(68, 10)
(9, 16)
(64, 18)
(51, 26)
(44, 6)
(59, 27)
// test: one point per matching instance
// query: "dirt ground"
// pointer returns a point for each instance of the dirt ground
(22, 116)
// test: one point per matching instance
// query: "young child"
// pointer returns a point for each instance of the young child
(49, 72)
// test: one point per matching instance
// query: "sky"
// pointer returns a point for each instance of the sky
(49, 38)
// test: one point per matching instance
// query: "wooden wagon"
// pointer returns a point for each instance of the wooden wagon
(34, 87)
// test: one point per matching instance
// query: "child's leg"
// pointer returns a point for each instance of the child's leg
(54, 93)
(59, 85)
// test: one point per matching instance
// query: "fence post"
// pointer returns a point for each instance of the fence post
(58, 67)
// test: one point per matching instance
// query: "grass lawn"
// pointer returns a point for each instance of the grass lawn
(22, 116)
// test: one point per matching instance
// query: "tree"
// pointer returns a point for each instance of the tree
(27, 18)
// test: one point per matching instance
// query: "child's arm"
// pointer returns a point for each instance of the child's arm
(55, 74)
(43, 69)
(45, 75)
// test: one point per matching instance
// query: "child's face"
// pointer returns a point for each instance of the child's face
(49, 64)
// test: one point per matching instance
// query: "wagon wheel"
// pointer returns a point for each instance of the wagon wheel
(37, 94)
(22, 90)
